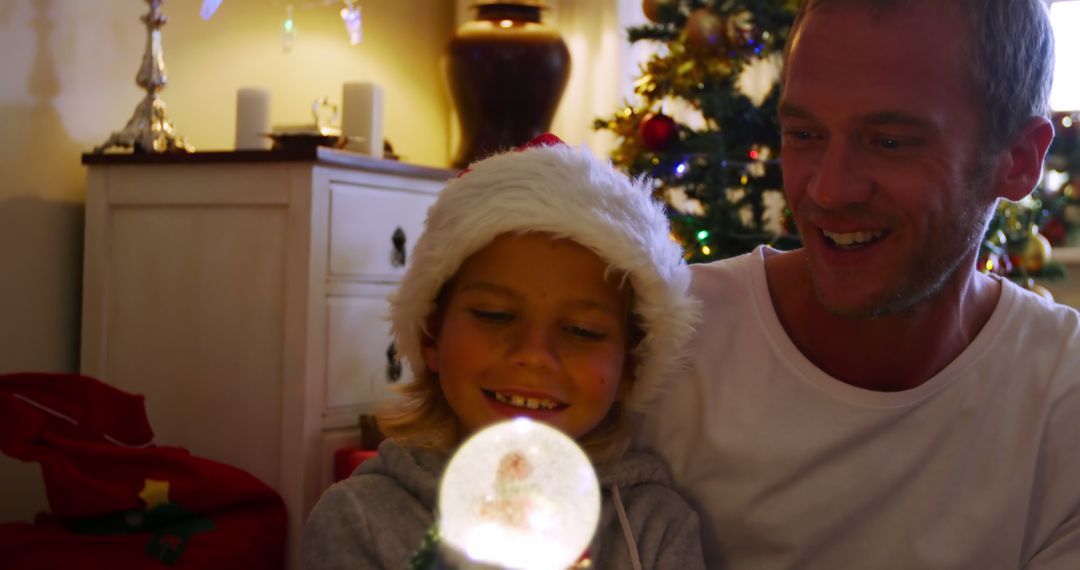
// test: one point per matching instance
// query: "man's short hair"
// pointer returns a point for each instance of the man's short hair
(1011, 50)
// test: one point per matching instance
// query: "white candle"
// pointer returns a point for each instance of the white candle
(362, 117)
(252, 118)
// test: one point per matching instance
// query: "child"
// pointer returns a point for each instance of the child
(546, 285)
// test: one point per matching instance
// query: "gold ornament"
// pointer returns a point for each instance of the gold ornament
(1042, 291)
(1037, 252)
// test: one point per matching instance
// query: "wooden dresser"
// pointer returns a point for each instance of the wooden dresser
(244, 294)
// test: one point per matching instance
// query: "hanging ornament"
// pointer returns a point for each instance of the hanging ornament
(738, 30)
(1036, 251)
(208, 8)
(1054, 229)
(288, 30)
(654, 9)
(705, 29)
(657, 132)
(350, 14)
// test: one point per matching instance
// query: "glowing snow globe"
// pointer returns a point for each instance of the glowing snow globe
(518, 494)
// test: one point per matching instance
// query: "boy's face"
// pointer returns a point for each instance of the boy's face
(532, 328)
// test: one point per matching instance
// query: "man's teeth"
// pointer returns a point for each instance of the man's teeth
(853, 238)
(523, 402)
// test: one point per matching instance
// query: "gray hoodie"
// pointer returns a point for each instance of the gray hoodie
(377, 518)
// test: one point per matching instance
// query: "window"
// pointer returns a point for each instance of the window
(1065, 19)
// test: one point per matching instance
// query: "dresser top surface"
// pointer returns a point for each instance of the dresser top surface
(320, 155)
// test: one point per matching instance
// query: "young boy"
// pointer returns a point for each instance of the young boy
(545, 285)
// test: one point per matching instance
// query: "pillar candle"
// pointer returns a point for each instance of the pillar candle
(252, 118)
(362, 117)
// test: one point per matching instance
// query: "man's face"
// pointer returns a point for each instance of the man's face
(880, 155)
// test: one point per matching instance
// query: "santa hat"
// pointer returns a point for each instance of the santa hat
(547, 186)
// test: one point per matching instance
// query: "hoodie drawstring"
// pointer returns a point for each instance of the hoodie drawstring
(628, 533)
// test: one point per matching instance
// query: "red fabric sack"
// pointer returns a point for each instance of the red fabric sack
(118, 500)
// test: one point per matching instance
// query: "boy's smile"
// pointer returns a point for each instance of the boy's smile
(532, 326)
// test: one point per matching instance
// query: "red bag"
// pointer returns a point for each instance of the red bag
(118, 500)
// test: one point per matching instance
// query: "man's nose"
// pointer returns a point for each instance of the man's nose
(839, 178)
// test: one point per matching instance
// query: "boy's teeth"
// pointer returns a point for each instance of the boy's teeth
(853, 238)
(523, 402)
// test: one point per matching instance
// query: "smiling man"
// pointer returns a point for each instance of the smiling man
(871, 400)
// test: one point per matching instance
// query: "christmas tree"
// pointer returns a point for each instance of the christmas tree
(1021, 236)
(718, 169)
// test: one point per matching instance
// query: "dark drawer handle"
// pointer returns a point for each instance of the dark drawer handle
(393, 364)
(397, 258)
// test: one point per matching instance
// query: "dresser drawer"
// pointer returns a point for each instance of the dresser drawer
(373, 229)
(362, 366)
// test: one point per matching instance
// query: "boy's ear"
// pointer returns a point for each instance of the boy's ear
(1024, 159)
(429, 346)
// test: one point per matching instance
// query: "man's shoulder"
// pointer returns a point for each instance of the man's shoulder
(1038, 315)
(1039, 341)
(723, 276)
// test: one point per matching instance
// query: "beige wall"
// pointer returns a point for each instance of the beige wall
(67, 80)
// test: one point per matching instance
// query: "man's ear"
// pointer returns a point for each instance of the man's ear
(429, 344)
(1024, 159)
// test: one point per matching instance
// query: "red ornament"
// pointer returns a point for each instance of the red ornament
(1054, 230)
(658, 131)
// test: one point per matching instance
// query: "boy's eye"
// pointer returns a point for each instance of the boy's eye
(492, 315)
(585, 333)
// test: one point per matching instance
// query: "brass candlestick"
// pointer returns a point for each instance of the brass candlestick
(149, 129)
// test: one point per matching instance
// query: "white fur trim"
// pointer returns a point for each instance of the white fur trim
(571, 194)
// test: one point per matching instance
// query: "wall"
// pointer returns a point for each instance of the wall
(67, 81)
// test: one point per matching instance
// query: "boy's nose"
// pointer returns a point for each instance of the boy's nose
(534, 346)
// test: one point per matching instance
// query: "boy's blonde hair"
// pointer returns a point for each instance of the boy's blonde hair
(546, 187)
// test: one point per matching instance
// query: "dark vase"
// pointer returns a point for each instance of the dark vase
(506, 71)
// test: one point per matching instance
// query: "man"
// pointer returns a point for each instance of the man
(871, 400)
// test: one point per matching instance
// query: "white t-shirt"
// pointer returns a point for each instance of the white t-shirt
(978, 468)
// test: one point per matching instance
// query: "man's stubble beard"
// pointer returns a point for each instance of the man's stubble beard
(928, 274)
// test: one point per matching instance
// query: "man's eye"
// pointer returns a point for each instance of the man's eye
(799, 135)
(492, 315)
(888, 143)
